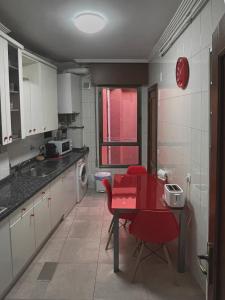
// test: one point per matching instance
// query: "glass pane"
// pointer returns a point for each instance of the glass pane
(120, 155)
(119, 115)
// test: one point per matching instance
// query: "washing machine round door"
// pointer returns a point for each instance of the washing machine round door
(83, 178)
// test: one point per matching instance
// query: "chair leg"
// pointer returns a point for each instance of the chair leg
(173, 272)
(111, 224)
(109, 238)
(138, 260)
(137, 249)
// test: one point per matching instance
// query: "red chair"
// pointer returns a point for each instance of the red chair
(156, 227)
(124, 216)
(136, 170)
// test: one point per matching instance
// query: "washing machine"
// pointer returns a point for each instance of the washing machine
(82, 178)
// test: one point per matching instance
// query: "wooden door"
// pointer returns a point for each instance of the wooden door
(216, 244)
(152, 129)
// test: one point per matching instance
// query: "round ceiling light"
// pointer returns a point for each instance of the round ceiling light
(89, 22)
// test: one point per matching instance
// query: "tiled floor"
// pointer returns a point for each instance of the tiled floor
(84, 269)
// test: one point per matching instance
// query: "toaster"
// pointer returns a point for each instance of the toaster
(173, 195)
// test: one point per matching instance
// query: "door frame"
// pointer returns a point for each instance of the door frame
(151, 89)
(216, 159)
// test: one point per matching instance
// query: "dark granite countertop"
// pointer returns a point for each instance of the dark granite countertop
(16, 190)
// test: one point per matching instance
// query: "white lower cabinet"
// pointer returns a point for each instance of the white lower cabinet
(5, 256)
(22, 237)
(42, 216)
(69, 190)
(56, 203)
(32, 222)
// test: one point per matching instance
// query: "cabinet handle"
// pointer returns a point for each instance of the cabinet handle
(30, 131)
(32, 215)
(49, 198)
(23, 209)
(43, 193)
(5, 138)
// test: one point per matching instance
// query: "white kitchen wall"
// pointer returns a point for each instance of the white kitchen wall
(18, 152)
(90, 123)
(183, 123)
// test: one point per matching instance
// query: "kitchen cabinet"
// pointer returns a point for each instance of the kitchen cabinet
(22, 236)
(12, 126)
(69, 93)
(57, 201)
(6, 131)
(40, 96)
(32, 97)
(69, 190)
(30, 224)
(42, 216)
(5, 256)
(49, 97)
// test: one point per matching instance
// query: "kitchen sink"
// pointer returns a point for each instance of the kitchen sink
(38, 171)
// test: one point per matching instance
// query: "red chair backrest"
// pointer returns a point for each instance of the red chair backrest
(133, 170)
(155, 226)
(108, 188)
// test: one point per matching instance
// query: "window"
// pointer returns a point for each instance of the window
(119, 127)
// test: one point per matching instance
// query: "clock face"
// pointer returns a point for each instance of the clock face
(182, 72)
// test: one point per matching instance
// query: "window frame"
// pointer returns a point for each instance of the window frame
(101, 143)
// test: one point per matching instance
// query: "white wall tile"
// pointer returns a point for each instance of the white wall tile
(183, 122)
(206, 25)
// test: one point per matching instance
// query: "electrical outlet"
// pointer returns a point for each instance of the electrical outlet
(188, 178)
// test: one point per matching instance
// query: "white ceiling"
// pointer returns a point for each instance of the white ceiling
(46, 26)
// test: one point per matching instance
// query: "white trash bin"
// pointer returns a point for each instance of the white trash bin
(98, 180)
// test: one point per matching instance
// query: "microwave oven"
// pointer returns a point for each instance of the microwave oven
(62, 146)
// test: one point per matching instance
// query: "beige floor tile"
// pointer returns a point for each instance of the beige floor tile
(111, 286)
(51, 251)
(28, 287)
(86, 229)
(63, 229)
(89, 213)
(159, 282)
(80, 251)
(72, 281)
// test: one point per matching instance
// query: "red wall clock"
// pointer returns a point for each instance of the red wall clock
(182, 72)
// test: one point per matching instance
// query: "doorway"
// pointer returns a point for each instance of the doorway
(216, 245)
(152, 128)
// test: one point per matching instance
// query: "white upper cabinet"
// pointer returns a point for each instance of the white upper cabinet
(69, 93)
(6, 132)
(40, 96)
(12, 119)
(33, 109)
(49, 97)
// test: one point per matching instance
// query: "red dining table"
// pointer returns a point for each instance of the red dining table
(132, 193)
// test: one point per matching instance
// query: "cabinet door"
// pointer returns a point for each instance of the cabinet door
(22, 240)
(32, 74)
(42, 217)
(57, 201)
(22, 109)
(69, 189)
(6, 132)
(5, 256)
(76, 92)
(49, 97)
(27, 107)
